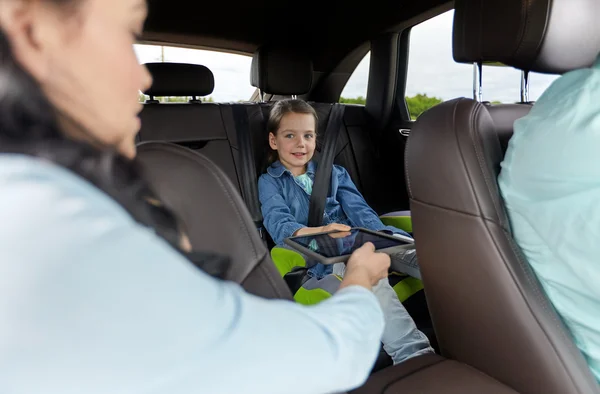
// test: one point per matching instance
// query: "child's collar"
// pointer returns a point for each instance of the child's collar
(277, 169)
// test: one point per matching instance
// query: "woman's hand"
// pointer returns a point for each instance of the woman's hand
(366, 267)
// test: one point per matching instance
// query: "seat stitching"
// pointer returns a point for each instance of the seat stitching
(481, 161)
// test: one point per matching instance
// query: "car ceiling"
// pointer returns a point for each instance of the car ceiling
(327, 30)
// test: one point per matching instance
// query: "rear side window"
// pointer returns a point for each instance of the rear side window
(355, 91)
(434, 76)
(231, 71)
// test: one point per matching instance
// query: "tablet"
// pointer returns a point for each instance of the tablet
(337, 246)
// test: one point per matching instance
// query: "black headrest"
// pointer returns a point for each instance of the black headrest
(176, 79)
(281, 71)
(548, 36)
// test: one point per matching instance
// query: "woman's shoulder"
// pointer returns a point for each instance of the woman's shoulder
(41, 180)
(38, 197)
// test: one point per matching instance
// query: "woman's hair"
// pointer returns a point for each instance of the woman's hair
(28, 125)
(279, 110)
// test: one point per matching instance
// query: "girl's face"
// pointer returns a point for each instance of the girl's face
(295, 141)
(81, 53)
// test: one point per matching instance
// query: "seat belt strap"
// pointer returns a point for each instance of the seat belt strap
(322, 182)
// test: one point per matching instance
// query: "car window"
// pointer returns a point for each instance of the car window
(434, 76)
(231, 71)
(355, 91)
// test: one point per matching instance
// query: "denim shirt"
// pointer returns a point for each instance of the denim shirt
(285, 204)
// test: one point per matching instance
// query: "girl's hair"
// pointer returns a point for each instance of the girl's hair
(279, 110)
(28, 125)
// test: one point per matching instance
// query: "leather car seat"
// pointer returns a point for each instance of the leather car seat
(488, 308)
(217, 220)
(213, 213)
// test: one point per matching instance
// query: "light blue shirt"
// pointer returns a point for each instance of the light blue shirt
(92, 302)
(306, 182)
(550, 181)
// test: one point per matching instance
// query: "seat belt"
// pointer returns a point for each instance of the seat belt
(247, 167)
(318, 197)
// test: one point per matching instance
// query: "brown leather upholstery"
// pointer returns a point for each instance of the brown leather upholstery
(213, 214)
(431, 374)
(488, 309)
(550, 36)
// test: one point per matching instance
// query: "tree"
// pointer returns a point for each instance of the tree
(420, 103)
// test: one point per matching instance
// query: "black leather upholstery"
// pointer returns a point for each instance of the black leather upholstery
(213, 214)
(549, 36)
(198, 126)
(177, 79)
(281, 71)
(488, 308)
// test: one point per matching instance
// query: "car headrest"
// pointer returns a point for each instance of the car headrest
(547, 36)
(281, 71)
(177, 79)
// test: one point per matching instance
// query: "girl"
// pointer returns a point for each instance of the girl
(284, 192)
(96, 295)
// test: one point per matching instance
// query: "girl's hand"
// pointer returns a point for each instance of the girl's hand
(322, 229)
(335, 227)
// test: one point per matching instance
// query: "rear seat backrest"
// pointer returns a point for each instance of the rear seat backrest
(195, 124)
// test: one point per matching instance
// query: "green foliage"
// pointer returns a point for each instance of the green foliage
(416, 104)
(420, 103)
(358, 100)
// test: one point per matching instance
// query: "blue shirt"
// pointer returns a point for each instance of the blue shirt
(285, 204)
(92, 302)
(550, 182)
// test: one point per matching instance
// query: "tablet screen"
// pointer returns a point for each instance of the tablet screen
(339, 244)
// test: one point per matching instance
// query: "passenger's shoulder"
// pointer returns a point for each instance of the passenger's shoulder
(38, 193)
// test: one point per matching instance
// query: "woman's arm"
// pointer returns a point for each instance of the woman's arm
(99, 304)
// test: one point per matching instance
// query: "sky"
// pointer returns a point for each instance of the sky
(431, 71)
